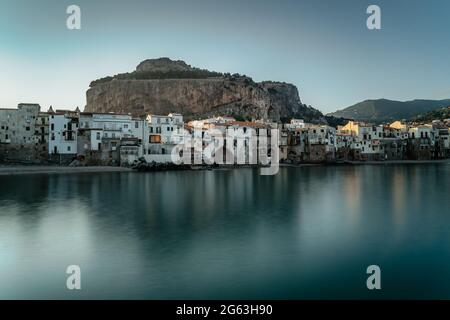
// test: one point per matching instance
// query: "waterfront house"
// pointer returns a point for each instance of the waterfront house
(102, 135)
(18, 141)
(442, 140)
(164, 132)
(368, 138)
(421, 142)
(17, 126)
(62, 146)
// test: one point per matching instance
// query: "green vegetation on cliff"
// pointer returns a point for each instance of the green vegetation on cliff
(155, 75)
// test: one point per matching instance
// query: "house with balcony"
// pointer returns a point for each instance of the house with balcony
(164, 133)
(102, 135)
(421, 142)
(63, 134)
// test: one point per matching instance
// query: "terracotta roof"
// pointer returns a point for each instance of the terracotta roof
(107, 113)
(247, 124)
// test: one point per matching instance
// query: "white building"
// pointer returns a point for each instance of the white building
(368, 137)
(421, 132)
(163, 132)
(99, 127)
(296, 124)
(165, 129)
(63, 133)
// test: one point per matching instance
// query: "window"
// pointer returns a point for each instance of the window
(27, 128)
(125, 126)
(53, 126)
(136, 124)
(68, 148)
(151, 129)
(98, 135)
(155, 139)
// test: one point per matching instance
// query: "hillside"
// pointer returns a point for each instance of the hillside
(439, 114)
(383, 110)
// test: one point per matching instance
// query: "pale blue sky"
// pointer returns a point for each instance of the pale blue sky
(322, 46)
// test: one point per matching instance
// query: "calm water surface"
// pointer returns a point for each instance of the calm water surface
(307, 232)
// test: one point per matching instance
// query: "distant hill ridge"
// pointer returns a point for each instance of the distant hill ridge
(384, 110)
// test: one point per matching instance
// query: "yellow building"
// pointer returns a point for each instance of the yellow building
(399, 125)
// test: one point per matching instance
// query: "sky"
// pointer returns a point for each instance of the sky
(322, 46)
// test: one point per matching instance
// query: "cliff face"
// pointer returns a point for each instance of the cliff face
(161, 86)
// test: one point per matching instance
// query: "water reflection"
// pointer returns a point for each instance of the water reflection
(305, 233)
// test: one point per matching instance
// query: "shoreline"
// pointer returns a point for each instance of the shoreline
(395, 162)
(10, 169)
(362, 163)
(7, 170)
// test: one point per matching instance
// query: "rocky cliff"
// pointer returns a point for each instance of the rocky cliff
(161, 86)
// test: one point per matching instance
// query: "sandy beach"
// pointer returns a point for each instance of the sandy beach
(15, 170)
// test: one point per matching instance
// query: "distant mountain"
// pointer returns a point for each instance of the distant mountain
(439, 114)
(383, 110)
